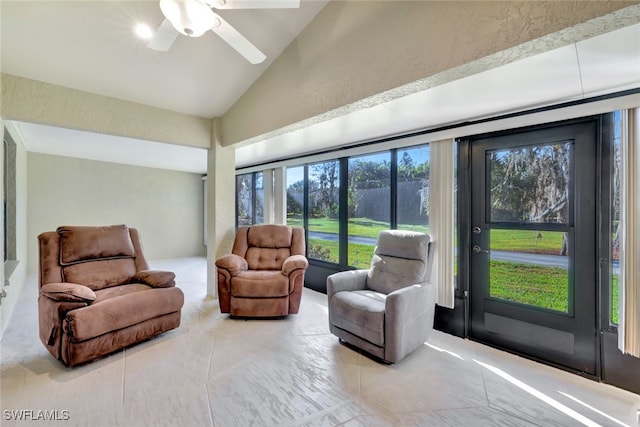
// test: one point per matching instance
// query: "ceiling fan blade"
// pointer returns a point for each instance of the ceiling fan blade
(253, 4)
(164, 37)
(237, 41)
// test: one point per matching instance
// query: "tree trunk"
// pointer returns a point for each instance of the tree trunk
(565, 248)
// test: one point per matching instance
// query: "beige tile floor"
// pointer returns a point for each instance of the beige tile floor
(216, 371)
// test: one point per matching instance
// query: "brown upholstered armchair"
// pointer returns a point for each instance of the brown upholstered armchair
(97, 294)
(264, 274)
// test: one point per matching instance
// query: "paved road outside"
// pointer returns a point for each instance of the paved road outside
(519, 257)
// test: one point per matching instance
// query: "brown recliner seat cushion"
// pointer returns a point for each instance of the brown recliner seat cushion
(121, 311)
(260, 284)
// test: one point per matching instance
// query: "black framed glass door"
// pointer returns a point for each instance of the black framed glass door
(533, 269)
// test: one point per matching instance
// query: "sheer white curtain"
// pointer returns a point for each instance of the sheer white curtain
(629, 319)
(442, 218)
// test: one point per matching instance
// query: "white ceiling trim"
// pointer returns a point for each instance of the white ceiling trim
(408, 140)
(108, 148)
(601, 65)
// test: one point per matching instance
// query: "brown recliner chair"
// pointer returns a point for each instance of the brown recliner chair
(264, 274)
(97, 294)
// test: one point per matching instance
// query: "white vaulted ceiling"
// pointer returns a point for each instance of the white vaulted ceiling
(89, 46)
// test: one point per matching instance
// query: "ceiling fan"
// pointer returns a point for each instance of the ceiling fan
(193, 18)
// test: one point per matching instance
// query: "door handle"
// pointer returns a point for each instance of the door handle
(477, 249)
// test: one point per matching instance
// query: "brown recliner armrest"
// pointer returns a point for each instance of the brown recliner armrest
(156, 278)
(234, 264)
(294, 262)
(68, 292)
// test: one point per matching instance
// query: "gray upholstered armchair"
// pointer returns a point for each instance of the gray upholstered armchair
(387, 311)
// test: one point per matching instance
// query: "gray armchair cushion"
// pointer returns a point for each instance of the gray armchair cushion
(403, 244)
(399, 260)
(360, 313)
(388, 274)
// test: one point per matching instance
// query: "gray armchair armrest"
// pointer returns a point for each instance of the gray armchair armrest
(408, 319)
(294, 262)
(408, 302)
(156, 278)
(68, 292)
(234, 264)
(352, 280)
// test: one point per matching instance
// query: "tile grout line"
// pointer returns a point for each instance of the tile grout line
(486, 393)
(213, 349)
(209, 405)
(124, 370)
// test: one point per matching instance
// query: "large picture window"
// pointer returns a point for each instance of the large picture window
(413, 189)
(323, 211)
(295, 196)
(250, 199)
(369, 195)
(344, 203)
(614, 273)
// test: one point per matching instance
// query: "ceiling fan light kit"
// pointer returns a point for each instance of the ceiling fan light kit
(215, 3)
(189, 17)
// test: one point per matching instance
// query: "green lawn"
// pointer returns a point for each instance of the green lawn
(548, 242)
(543, 242)
(534, 285)
(540, 286)
(364, 227)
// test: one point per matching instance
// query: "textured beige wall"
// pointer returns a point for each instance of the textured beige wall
(221, 209)
(165, 206)
(357, 49)
(39, 102)
(5, 311)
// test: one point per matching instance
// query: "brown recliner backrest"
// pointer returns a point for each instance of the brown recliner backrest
(267, 246)
(96, 257)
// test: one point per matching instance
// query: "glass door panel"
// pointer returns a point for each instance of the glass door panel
(529, 184)
(526, 267)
